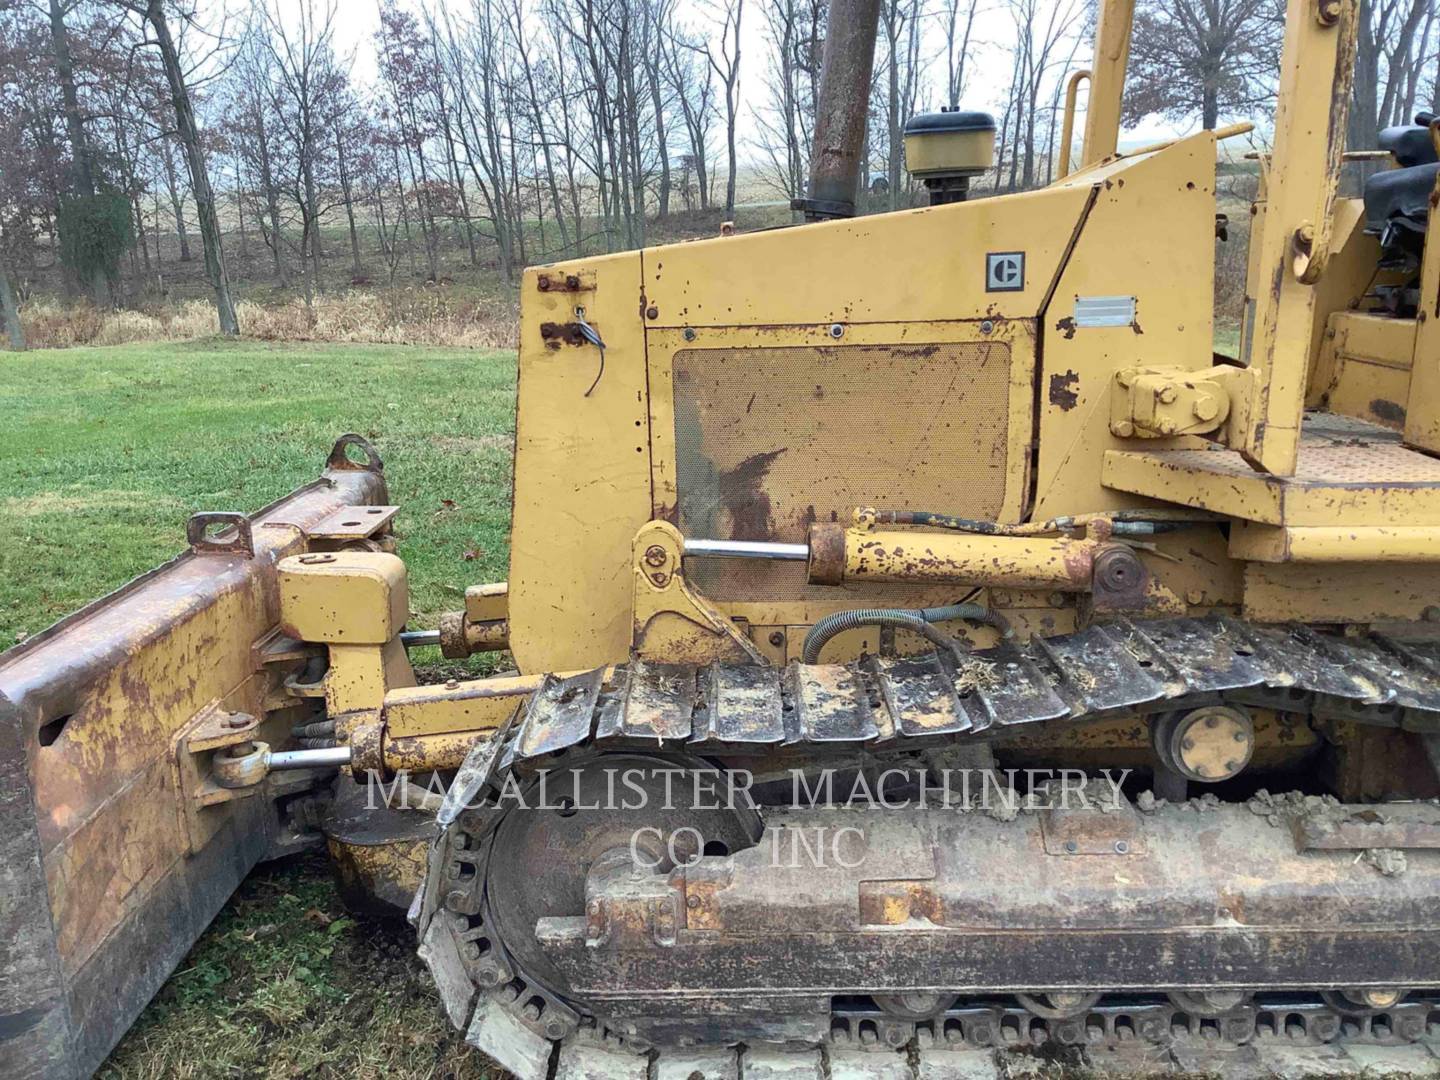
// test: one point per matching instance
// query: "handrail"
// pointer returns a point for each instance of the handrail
(1067, 134)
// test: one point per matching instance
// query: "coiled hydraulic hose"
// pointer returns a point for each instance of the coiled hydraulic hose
(319, 735)
(916, 619)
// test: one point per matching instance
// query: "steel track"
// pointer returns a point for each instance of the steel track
(1128, 667)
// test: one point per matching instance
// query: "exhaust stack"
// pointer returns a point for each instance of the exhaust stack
(839, 151)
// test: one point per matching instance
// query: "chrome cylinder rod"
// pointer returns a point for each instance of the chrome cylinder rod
(308, 759)
(746, 549)
(413, 639)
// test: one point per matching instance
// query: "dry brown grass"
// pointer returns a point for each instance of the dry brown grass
(420, 316)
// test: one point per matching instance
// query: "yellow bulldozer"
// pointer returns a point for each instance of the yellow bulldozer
(925, 644)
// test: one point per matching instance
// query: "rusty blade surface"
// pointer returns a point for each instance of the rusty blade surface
(107, 876)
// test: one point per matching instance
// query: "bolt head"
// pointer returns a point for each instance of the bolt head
(652, 312)
(1123, 428)
(836, 330)
(1167, 395)
(777, 638)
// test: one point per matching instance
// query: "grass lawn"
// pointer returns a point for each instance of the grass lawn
(106, 451)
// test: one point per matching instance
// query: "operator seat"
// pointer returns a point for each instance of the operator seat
(1397, 201)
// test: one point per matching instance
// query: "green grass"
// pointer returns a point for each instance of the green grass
(107, 451)
(286, 983)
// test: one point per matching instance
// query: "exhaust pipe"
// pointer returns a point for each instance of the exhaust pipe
(839, 152)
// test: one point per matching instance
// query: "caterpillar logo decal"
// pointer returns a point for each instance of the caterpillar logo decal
(1005, 271)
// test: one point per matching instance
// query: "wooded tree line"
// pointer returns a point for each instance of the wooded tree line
(518, 131)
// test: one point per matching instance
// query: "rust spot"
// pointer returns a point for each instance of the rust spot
(1388, 411)
(556, 333)
(1064, 390)
(1067, 327)
(743, 495)
(1135, 325)
(918, 353)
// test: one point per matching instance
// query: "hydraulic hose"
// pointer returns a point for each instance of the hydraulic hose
(319, 735)
(916, 619)
(1132, 522)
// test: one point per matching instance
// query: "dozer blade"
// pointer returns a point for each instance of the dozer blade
(117, 847)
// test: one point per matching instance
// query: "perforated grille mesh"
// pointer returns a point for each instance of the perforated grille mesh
(769, 440)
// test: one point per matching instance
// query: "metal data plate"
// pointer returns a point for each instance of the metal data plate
(1094, 311)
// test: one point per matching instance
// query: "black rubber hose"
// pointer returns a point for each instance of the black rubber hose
(918, 620)
(318, 735)
(947, 521)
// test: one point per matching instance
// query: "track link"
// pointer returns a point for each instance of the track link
(1144, 667)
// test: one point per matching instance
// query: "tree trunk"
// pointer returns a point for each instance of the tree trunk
(404, 210)
(199, 179)
(272, 197)
(240, 217)
(177, 206)
(10, 311)
(356, 269)
(82, 162)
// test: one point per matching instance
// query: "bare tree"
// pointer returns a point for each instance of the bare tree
(187, 130)
(900, 22)
(82, 156)
(794, 30)
(1205, 57)
(1041, 32)
(687, 70)
(726, 63)
(1385, 50)
(308, 82)
(959, 26)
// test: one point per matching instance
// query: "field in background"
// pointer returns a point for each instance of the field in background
(469, 305)
(106, 453)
